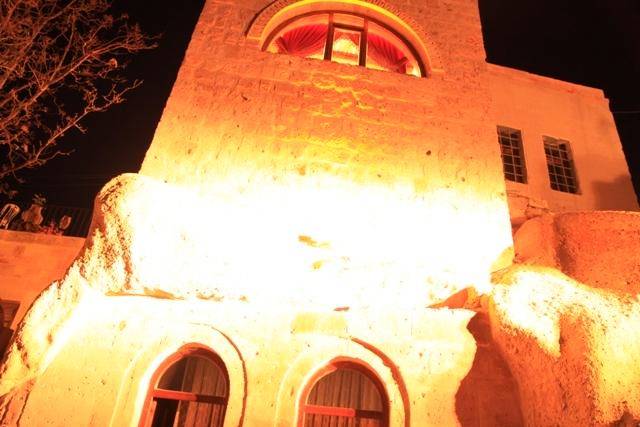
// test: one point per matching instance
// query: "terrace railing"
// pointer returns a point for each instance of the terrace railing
(80, 219)
(51, 223)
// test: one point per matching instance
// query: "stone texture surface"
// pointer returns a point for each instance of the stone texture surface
(572, 349)
(539, 106)
(269, 353)
(343, 154)
(291, 212)
(488, 395)
(159, 240)
(601, 249)
(143, 287)
(30, 262)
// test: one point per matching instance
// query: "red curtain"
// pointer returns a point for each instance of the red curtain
(386, 54)
(303, 41)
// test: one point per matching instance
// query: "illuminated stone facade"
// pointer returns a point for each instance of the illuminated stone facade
(294, 214)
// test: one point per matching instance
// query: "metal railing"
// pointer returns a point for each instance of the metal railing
(80, 219)
(51, 223)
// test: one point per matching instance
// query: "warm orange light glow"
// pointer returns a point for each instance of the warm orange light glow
(353, 6)
(567, 343)
(346, 47)
(293, 215)
(352, 39)
(372, 237)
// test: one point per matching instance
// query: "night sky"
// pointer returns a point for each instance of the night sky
(590, 42)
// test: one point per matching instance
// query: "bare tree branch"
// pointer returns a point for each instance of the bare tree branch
(59, 62)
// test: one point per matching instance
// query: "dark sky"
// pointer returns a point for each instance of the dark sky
(591, 42)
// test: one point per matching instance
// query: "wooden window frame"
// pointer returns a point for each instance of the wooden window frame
(154, 393)
(550, 143)
(502, 130)
(305, 408)
(331, 25)
(8, 312)
(363, 30)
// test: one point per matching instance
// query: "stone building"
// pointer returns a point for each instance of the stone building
(323, 231)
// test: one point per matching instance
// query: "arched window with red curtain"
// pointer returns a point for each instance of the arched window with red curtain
(386, 55)
(346, 38)
(307, 40)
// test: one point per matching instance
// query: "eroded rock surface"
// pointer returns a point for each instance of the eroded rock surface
(574, 350)
(601, 249)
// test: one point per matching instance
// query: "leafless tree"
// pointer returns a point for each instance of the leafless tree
(60, 60)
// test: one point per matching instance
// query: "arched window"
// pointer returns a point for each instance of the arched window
(346, 38)
(190, 389)
(345, 394)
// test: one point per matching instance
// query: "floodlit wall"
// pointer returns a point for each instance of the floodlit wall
(289, 212)
(572, 349)
(269, 354)
(29, 262)
(124, 307)
(292, 212)
(373, 166)
(579, 332)
(600, 249)
(540, 106)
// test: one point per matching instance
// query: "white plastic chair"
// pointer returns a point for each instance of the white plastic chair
(8, 212)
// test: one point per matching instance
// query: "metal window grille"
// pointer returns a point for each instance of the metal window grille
(77, 225)
(512, 154)
(80, 219)
(562, 174)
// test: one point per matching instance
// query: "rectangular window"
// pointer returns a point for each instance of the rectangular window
(8, 310)
(562, 173)
(512, 154)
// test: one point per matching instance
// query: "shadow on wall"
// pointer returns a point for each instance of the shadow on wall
(614, 194)
(488, 395)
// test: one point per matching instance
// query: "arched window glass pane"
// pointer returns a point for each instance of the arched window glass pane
(349, 20)
(341, 37)
(345, 397)
(192, 392)
(196, 375)
(346, 388)
(387, 52)
(305, 37)
(346, 46)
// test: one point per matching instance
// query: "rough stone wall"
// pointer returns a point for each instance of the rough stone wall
(355, 158)
(566, 318)
(573, 350)
(270, 354)
(596, 248)
(129, 301)
(488, 395)
(540, 106)
(275, 183)
(290, 212)
(29, 262)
